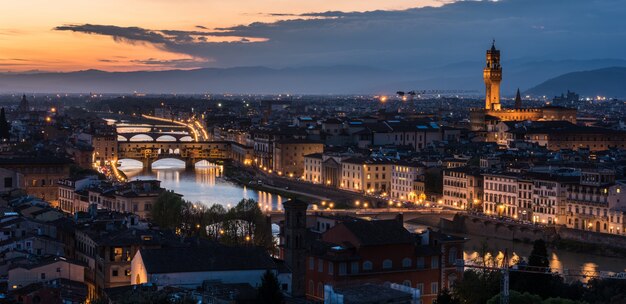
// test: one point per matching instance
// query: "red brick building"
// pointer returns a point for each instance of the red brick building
(358, 251)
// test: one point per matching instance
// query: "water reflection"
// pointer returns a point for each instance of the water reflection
(205, 184)
(577, 266)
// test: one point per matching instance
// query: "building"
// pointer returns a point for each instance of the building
(500, 194)
(72, 198)
(230, 265)
(45, 270)
(40, 174)
(462, 188)
(560, 135)
(484, 120)
(360, 251)
(108, 251)
(369, 175)
(289, 155)
(595, 203)
(407, 182)
(10, 180)
(293, 245)
(104, 148)
(137, 197)
(313, 168)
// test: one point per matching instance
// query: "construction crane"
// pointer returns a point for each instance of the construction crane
(505, 269)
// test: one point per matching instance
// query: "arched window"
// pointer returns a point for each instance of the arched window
(406, 262)
(320, 289)
(367, 265)
(387, 264)
(311, 287)
(451, 281)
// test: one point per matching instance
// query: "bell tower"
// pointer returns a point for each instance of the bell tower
(294, 247)
(492, 74)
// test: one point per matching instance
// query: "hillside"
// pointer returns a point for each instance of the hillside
(609, 82)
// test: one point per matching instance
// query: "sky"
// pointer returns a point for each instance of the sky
(394, 35)
(30, 38)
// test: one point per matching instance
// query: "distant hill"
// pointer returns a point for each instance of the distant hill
(337, 79)
(609, 82)
(305, 80)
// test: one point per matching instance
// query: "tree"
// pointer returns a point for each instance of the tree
(5, 127)
(269, 291)
(517, 298)
(477, 286)
(167, 210)
(445, 297)
(539, 254)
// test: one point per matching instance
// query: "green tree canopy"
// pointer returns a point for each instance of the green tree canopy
(269, 291)
(167, 211)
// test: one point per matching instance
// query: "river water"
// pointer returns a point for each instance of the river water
(204, 184)
(561, 261)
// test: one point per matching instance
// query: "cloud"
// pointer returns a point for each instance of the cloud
(410, 40)
(184, 63)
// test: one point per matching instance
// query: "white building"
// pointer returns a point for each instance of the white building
(405, 178)
(190, 266)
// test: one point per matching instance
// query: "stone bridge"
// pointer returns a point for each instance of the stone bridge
(373, 213)
(155, 136)
(190, 152)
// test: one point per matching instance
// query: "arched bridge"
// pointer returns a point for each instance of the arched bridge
(155, 136)
(191, 152)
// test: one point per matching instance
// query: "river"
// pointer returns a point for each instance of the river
(204, 184)
(561, 261)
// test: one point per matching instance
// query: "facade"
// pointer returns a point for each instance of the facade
(462, 188)
(366, 251)
(40, 174)
(104, 148)
(313, 168)
(293, 245)
(500, 195)
(44, 271)
(596, 203)
(289, 155)
(372, 176)
(10, 180)
(407, 181)
(72, 198)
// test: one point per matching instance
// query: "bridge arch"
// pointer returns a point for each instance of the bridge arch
(141, 137)
(121, 138)
(186, 139)
(129, 163)
(166, 138)
(169, 163)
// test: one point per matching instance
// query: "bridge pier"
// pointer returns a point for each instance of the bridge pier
(147, 163)
(190, 163)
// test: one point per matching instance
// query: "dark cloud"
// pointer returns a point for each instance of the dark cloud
(186, 63)
(202, 27)
(412, 40)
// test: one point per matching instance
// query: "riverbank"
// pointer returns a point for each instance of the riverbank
(247, 178)
(557, 237)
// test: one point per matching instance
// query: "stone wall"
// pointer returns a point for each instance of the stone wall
(489, 227)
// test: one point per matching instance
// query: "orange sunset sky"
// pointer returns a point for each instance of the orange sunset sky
(28, 40)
